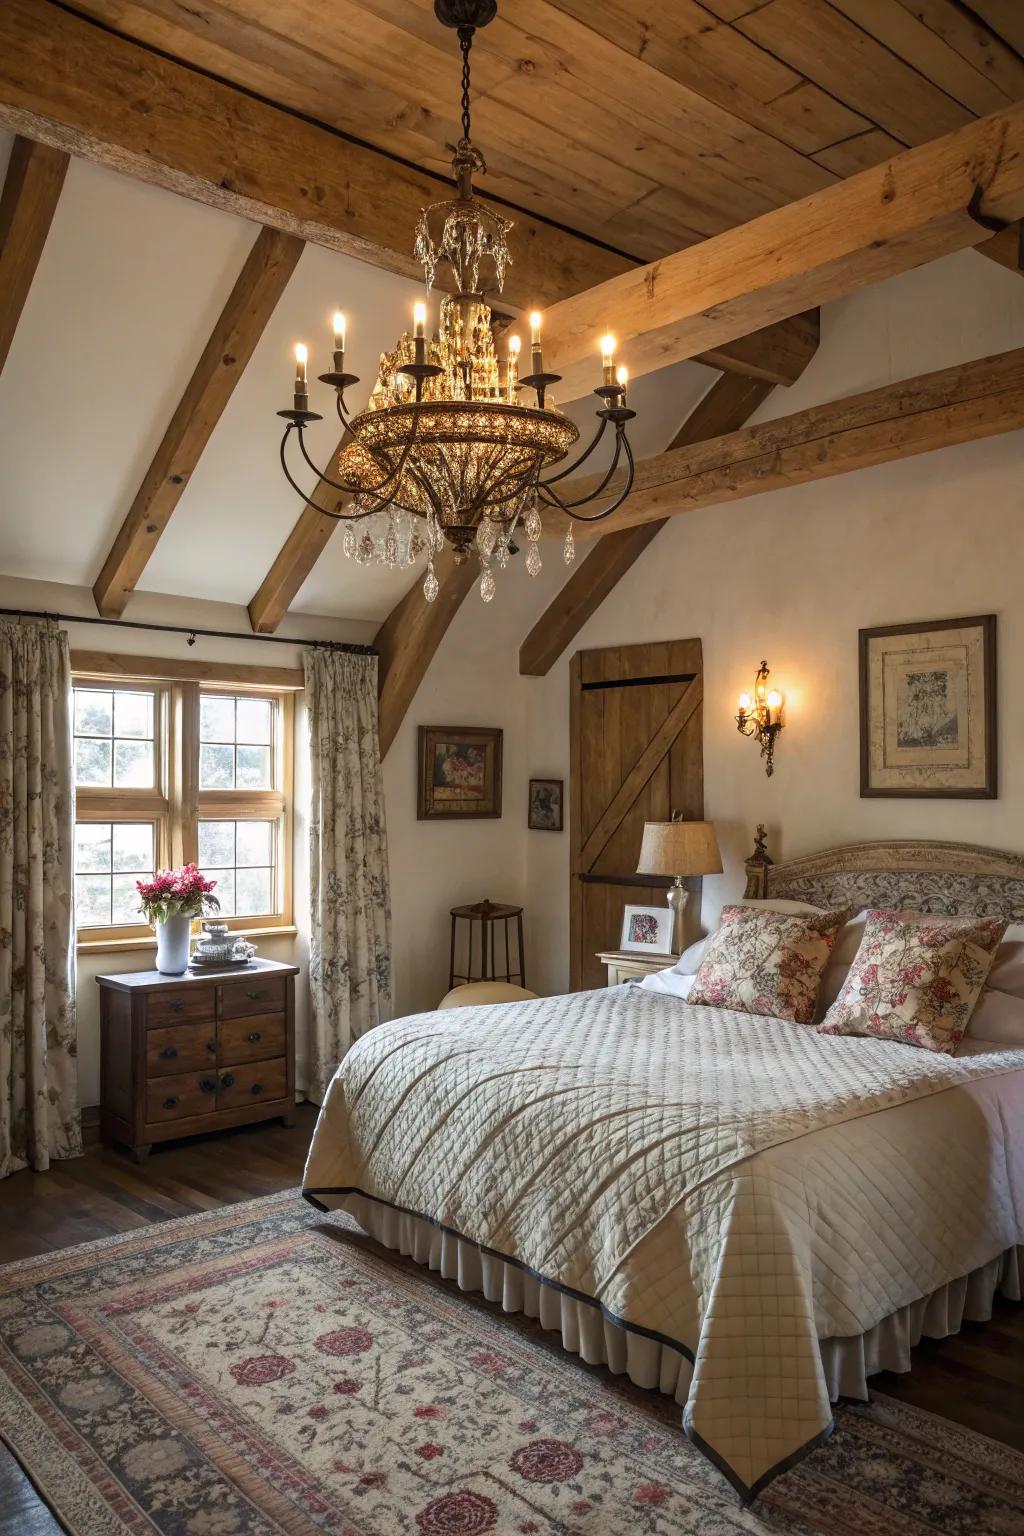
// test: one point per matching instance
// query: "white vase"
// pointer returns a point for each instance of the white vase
(172, 944)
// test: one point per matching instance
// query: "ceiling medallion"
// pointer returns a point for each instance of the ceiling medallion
(451, 447)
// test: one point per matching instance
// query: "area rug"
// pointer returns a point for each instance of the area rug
(264, 1369)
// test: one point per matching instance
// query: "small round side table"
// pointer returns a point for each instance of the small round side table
(489, 915)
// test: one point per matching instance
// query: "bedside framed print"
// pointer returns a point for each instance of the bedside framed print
(459, 773)
(647, 930)
(928, 710)
(545, 813)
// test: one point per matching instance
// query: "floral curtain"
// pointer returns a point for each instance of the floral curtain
(39, 1118)
(350, 900)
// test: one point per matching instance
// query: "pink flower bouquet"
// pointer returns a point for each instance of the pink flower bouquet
(177, 892)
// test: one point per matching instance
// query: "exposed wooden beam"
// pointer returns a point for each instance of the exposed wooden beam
(35, 175)
(728, 404)
(297, 555)
(897, 215)
(243, 319)
(936, 410)
(67, 82)
(410, 635)
(121, 664)
(1007, 248)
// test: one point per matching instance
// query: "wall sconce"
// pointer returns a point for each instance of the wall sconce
(761, 716)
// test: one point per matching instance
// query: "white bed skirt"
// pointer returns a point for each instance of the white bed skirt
(586, 1332)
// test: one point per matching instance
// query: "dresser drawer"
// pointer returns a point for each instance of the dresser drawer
(190, 1004)
(253, 1083)
(176, 1048)
(251, 1039)
(260, 994)
(181, 1096)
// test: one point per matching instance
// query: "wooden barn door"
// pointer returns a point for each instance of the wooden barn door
(637, 755)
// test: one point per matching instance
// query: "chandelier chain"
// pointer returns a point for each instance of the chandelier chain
(465, 43)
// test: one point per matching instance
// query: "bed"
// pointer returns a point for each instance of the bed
(736, 1211)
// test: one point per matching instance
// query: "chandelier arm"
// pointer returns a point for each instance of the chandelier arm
(570, 469)
(340, 517)
(555, 500)
(384, 491)
(596, 517)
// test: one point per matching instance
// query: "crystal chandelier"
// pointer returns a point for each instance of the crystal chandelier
(454, 445)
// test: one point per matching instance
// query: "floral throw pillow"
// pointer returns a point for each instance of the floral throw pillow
(766, 962)
(915, 979)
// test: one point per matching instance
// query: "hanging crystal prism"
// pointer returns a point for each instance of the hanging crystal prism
(533, 560)
(348, 543)
(487, 584)
(430, 585)
(569, 547)
(486, 537)
(391, 548)
(532, 523)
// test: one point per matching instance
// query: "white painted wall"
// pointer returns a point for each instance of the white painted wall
(793, 575)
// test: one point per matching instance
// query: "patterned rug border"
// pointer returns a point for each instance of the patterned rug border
(152, 1235)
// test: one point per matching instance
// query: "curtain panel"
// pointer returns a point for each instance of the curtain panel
(350, 899)
(39, 1112)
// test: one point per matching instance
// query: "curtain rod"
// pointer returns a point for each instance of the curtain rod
(187, 630)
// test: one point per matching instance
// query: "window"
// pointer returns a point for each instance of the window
(180, 772)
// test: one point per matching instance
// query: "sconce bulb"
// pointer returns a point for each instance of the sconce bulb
(744, 702)
(775, 699)
(622, 376)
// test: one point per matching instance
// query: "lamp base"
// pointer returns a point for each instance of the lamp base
(677, 896)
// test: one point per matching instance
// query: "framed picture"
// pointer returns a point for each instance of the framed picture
(545, 814)
(647, 929)
(460, 772)
(928, 709)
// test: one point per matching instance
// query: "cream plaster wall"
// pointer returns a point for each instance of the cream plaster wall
(794, 574)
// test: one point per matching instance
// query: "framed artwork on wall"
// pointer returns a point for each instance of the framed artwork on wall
(459, 773)
(546, 798)
(647, 929)
(928, 709)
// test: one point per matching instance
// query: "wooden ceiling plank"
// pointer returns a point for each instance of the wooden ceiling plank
(829, 49)
(1005, 17)
(32, 186)
(409, 637)
(936, 410)
(908, 37)
(900, 214)
(691, 46)
(727, 406)
(66, 82)
(242, 322)
(962, 30)
(859, 153)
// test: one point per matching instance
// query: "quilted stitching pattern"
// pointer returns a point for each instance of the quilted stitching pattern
(573, 1133)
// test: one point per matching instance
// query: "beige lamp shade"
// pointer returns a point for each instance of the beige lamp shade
(679, 848)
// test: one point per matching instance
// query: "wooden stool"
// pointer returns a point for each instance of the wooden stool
(488, 914)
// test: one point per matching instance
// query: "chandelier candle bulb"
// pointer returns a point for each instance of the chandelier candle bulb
(339, 341)
(419, 316)
(622, 379)
(608, 358)
(536, 356)
(514, 345)
(301, 395)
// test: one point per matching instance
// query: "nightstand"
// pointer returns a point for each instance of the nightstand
(629, 965)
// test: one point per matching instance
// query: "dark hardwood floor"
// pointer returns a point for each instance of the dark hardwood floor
(975, 1378)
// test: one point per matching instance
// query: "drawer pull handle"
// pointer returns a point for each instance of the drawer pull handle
(253, 1036)
(255, 993)
(177, 1004)
(211, 1046)
(256, 1088)
(208, 1084)
(227, 1081)
(170, 1103)
(169, 1052)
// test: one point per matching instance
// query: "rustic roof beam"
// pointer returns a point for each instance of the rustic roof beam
(35, 175)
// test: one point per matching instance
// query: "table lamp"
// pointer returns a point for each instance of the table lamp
(679, 848)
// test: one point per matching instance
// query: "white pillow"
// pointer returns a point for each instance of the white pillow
(689, 961)
(669, 983)
(998, 1019)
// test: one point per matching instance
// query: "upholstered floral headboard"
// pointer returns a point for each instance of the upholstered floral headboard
(916, 876)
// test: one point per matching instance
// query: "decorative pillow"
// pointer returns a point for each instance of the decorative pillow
(915, 979)
(766, 962)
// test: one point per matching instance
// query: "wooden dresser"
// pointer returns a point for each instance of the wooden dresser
(185, 1054)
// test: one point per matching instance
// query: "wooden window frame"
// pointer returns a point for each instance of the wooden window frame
(176, 804)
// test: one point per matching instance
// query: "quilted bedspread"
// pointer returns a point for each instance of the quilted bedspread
(612, 1143)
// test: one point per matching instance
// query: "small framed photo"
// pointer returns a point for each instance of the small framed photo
(648, 929)
(459, 773)
(928, 710)
(545, 814)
